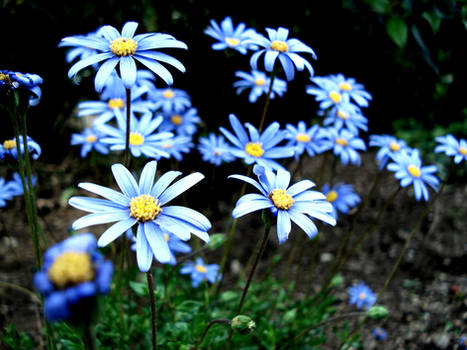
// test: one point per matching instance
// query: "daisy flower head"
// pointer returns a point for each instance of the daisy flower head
(254, 147)
(115, 88)
(170, 100)
(305, 139)
(143, 204)
(361, 295)
(380, 333)
(9, 150)
(463, 343)
(342, 197)
(15, 185)
(89, 139)
(76, 50)
(346, 116)
(356, 91)
(452, 147)
(182, 123)
(295, 203)
(74, 273)
(326, 92)
(389, 148)
(144, 137)
(26, 84)
(214, 149)
(344, 144)
(279, 46)
(6, 192)
(231, 37)
(199, 271)
(408, 168)
(176, 146)
(126, 49)
(259, 83)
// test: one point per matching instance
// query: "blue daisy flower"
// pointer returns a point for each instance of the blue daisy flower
(8, 148)
(408, 168)
(199, 271)
(463, 343)
(126, 49)
(303, 138)
(452, 147)
(379, 333)
(295, 203)
(73, 274)
(182, 123)
(176, 146)
(143, 204)
(389, 148)
(361, 295)
(326, 92)
(170, 100)
(15, 186)
(355, 90)
(77, 51)
(231, 37)
(115, 88)
(214, 149)
(278, 46)
(26, 83)
(346, 116)
(144, 140)
(6, 192)
(89, 139)
(345, 144)
(255, 147)
(259, 83)
(342, 197)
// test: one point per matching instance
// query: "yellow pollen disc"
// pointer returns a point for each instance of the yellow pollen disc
(116, 103)
(123, 46)
(176, 119)
(335, 96)
(167, 146)
(5, 78)
(9, 144)
(260, 82)
(217, 153)
(302, 137)
(279, 45)
(414, 170)
(394, 146)
(254, 149)
(344, 86)
(232, 41)
(331, 196)
(281, 199)
(71, 268)
(166, 237)
(342, 142)
(168, 93)
(463, 151)
(343, 115)
(362, 296)
(144, 208)
(201, 268)
(136, 139)
(91, 138)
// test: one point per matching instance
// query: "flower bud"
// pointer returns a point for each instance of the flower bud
(216, 241)
(243, 324)
(377, 312)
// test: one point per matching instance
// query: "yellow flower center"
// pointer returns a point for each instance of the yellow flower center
(116, 103)
(91, 138)
(414, 170)
(302, 137)
(342, 142)
(260, 82)
(168, 93)
(166, 237)
(9, 144)
(232, 41)
(344, 86)
(136, 139)
(463, 151)
(279, 45)
(167, 145)
(281, 200)
(335, 96)
(331, 196)
(394, 146)
(201, 269)
(5, 78)
(176, 119)
(123, 46)
(144, 208)
(343, 115)
(362, 296)
(71, 268)
(254, 149)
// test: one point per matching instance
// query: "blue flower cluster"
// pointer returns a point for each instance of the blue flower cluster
(12, 188)
(199, 271)
(361, 296)
(24, 83)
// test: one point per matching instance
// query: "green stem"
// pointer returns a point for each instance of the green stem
(153, 309)
(126, 156)
(206, 330)
(89, 338)
(120, 287)
(266, 104)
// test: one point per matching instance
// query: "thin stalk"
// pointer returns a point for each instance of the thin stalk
(153, 308)
(126, 156)
(266, 104)
(89, 339)
(206, 330)
(120, 287)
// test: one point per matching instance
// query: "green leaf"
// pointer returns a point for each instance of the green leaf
(379, 6)
(433, 19)
(397, 31)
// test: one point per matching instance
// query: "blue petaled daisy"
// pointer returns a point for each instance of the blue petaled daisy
(278, 46)
(6, 192)
(295, 203)
(231, 37)
(125, 49)
(15, 185)
(8, 148)
(408, 168)
(379, 333)
(355, 90)
(214, 149)
(255, 147)
(342, 197)
(182, 123)
(326, 92)
(303, 138)
(345, 145)
(259, 83)
(346, 116)
(114, 86)
(78, 51)
(361, 295)
(452, 148)
(389, 148)
(143, 204)
(22, 82)
(170, 100)
(89, 139)
(176, 146)
(199, 271)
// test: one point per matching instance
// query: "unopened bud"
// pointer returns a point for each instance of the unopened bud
(377, 312)
(243, 324)
(336, 281)
(216, 241)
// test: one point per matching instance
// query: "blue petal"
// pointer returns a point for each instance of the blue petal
(104, 72)
(129, 29)
(100, 218)
(115, 231)
(157, 68)
(179, 187)
(128, 71)
(105, 192)
(143, 251)
(283, 225)
(163, 182)
(146, 178)
(189, 215)
(251, 206)
(157, 242)
(93, 205)
(125, 180)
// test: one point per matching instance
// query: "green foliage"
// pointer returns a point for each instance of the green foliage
(16, 340)
(397, 30)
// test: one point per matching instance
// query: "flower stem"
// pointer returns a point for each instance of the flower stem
(266, 104)
(153, 308)
(126, 156)
(210, 324)
(89, 339)
(120, 287)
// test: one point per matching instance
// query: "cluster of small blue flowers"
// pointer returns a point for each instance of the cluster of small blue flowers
(12, 188)
(22, 82)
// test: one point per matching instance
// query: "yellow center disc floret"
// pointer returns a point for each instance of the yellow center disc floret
(463, 151)
(9, 144)
(123, 46)
(331, 196)
(232, 41)
(254, 149)
(280, 199)
(302, 137)
(260, 82)
(414, 170)
(176, 119)
(71, 268)
(144, 208)
(394, 146)
(91, 138)
(136, 139)
(343, 115)
(342, 142)
(201, 269)
(280, 46)
(116, 103)
(335, 96)
(344, 86)
(168, 93)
